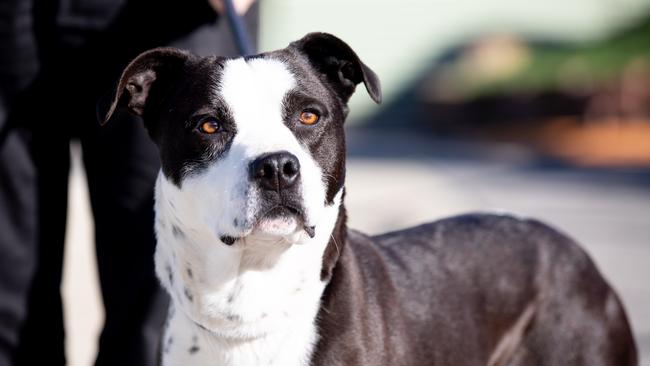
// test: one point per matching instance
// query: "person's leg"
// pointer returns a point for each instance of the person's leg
(42, 335)
(18, 248)
(24, 293)
(33, 187)
(122, 165)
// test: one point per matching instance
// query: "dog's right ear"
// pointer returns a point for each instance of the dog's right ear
(145, 80)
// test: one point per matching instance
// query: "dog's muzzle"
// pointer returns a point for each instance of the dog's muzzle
(277, 176)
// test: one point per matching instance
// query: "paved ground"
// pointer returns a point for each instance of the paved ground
(396, 180)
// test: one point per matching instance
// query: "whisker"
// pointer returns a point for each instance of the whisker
(336, 245)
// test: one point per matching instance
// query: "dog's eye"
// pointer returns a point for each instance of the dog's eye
(309, 117)
(210, 126)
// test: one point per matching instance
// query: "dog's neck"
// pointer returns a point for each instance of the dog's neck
(256, 298)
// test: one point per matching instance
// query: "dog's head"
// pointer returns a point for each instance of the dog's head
(249, 146)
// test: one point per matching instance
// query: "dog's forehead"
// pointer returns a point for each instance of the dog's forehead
(254, 89)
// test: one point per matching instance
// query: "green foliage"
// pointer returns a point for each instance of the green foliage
(556, 67)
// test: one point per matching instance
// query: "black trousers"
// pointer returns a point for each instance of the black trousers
(55, 105)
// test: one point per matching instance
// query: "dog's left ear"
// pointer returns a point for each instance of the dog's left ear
(339, 63)
(145, 80)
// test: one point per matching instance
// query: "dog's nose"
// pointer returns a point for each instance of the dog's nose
(275, 171)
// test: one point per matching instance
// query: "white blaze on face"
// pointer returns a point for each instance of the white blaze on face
(258, 301)
(224, 197)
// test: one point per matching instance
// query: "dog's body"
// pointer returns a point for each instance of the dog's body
(254, 250)
(470, 290)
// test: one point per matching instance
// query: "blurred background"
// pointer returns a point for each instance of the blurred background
(534, 108)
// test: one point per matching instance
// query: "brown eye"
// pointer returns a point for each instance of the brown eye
(309, 118)
(210, 126)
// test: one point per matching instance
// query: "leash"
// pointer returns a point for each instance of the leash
(238, 29)
(4, 133)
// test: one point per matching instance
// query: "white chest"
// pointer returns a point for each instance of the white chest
(257, 312)
(259, 305)
(185, 344)
(252, 303)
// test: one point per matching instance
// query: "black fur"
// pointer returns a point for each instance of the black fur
(470, 290)
(172, 91)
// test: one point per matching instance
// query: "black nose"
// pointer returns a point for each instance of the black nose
(275, 171)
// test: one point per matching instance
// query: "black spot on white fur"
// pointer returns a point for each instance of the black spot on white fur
(228, 240)
(195, 345)
(178, 233)
(168, 344)
(188, 294)
(170, 273)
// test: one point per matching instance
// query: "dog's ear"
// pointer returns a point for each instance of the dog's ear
(341, 65)
(144, 81)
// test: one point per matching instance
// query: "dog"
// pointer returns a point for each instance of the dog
(254, 250)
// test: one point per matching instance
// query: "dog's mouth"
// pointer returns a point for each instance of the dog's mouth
(283, 218)
(278, 220)
(281, 210)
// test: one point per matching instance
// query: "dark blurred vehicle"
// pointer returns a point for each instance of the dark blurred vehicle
(588, 103)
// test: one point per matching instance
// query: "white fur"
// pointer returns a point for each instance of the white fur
(256, 300)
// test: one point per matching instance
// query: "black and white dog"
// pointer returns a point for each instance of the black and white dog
(254, 250)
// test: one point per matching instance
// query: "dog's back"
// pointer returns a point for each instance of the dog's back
(471, 290)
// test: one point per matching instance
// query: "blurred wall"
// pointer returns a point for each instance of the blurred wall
(398, 39)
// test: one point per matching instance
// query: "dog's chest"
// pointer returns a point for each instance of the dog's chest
(261, 309)
(253, 303)
(185, 343)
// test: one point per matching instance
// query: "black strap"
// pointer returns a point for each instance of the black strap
(238, 29)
